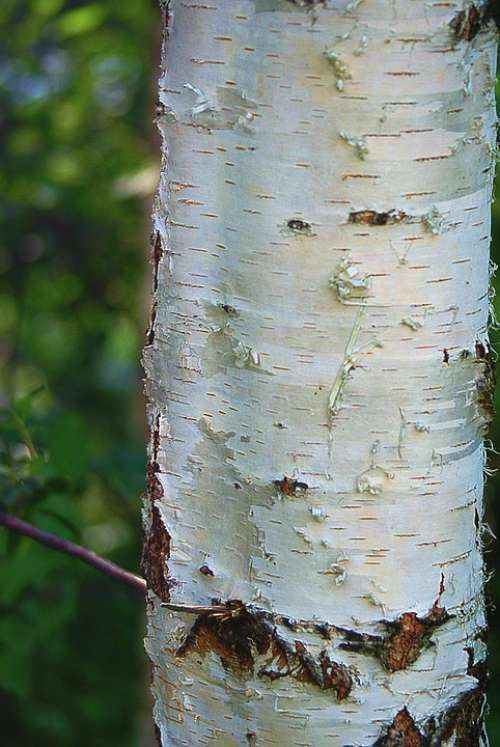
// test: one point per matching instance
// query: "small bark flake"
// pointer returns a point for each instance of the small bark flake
(374, 218)
(290, 487)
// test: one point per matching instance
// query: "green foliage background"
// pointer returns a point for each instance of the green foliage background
(77, 155)
(76, 97)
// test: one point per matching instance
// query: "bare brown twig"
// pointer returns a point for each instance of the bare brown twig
(76, 551)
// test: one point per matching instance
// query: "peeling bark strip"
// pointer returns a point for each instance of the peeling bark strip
(406, 638)
(486, 382)
(241, 637)
(321, 368)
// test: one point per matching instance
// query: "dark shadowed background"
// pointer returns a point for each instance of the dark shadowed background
(78, 166)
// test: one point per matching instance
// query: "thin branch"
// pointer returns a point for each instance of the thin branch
(76, 551)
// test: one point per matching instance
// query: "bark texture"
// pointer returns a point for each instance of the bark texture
(319, 377)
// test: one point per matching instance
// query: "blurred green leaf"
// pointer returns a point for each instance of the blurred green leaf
(46, 7)
(82, 20)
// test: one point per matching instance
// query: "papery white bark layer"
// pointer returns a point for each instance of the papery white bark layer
(318, 373)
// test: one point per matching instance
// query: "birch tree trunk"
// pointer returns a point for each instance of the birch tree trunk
(318, 373)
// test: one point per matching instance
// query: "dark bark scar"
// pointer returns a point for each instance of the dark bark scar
(248, 644)
(298, 225)
(228, 309)
(150, 332)
(206, 571)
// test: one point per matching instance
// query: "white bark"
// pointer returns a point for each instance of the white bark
(318, 373)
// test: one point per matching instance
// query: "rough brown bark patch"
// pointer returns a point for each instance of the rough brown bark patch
(403, 732)
(247, 643)
(406, 638)
(409, 636)
(335, 676)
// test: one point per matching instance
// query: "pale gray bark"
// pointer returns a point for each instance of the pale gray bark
(318, 373)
